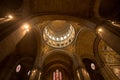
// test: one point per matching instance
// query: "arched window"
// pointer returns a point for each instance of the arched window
(57, 75)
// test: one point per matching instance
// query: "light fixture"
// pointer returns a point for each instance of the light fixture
(26, 27)
(113, 22)
(10, 16)
(99, 30)
(34, 71)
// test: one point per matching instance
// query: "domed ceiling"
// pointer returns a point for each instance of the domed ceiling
(58, 33)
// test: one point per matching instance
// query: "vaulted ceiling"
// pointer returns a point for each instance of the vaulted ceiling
(82, 8)
(83, 43)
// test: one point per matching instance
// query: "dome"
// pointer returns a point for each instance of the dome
(58, 33)
(58, 27)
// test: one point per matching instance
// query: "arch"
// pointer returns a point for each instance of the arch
(93, 69)
(60, 52)
(25, 63)
(108, 58)
(37, 22)
(38, 18)
(58, 59)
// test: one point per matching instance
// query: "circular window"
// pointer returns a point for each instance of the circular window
(58, 33)
(92, 66)
(18, 68)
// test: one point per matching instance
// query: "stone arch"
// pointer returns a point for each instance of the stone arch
(93, 69)
(61, 52)
(58, 59)
(26, 64)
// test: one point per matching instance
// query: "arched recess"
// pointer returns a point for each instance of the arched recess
(26, 47)
(18, 68)
(58, 60)
(84, 43)
(93, 69)
(38, 21)
(21, 69)
(109, 58)
(29, 46)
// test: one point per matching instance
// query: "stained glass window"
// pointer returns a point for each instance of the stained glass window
(18, 68)
(92, 66)
(57, 75)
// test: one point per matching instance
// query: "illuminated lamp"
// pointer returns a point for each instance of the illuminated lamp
(9, 16)
(99, 30)
(26, 27)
